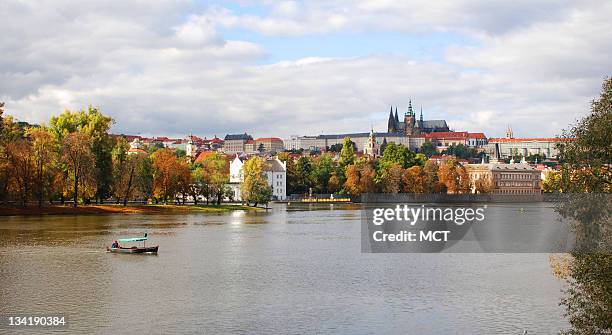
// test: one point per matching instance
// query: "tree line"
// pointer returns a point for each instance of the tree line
(397, 170)
(75, 158)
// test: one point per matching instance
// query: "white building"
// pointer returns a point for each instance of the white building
(275, 171)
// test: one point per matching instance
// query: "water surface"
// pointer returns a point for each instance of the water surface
(291, 270)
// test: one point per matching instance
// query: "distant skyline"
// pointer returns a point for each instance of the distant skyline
(278, 68)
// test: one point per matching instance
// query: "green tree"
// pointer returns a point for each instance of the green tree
(347, 154)
(254, 187)
(397, 154)
(324, 167)
(216, 175)
(428, 149)
(304, 174)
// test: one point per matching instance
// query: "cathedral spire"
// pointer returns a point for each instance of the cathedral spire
(421, 118)
(396, 118)
(410, 111)
(391, 124)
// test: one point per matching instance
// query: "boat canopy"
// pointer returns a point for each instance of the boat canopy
(133, 239)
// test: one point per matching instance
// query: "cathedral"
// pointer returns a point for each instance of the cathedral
(411, 126)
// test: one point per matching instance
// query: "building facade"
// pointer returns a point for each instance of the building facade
(237, 143)
(505, 148)
(269, 145)
(506, 179)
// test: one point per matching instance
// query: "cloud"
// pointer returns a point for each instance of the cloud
(166, 68)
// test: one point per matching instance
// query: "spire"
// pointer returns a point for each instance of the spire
(396, 118)
(421, 114)
(391, 124)
(410, 111)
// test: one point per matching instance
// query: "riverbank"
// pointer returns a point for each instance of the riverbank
(119, 209)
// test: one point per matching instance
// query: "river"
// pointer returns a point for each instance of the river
(295, 270)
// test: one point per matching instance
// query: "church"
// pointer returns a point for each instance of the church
(411, 126)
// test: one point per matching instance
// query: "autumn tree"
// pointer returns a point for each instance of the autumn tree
(483, 184)
(360, 178)
(21, 164)
(254, 188)
(291, 177)
(44, 154)
(453, 177)
(391, 179)
(415, 180)
(77, 156)
(165, 174)
(432, 182)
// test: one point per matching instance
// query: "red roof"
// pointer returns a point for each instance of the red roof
(203, 155)
(137, 150)
(216, 140)
(249, 142)
(448, 134)
(476, 135)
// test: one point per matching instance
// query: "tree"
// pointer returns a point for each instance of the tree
(165, 174)
(483, 185)
(96, 125)
(323, 168)
(432, 182)
(77, 156)
(261, 148)
(215, 171)
(21, 163)
(454, 177)
(396, 154)
(304, 174)
(391, 179)
(347, 154)
(43, 150)
(415, 180)
(255, 188)
(428, 149)
(360, 178)
(461, 151)
(585, 156)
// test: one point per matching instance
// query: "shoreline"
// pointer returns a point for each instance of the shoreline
(120, 209)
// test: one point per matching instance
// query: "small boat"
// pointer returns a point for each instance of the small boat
(134, 250)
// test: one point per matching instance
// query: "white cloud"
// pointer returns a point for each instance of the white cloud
(162, 68)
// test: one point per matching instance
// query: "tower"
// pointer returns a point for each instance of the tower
(370, 148)
(509, 132)
(391, 124)
(409, 119)
(190, 148)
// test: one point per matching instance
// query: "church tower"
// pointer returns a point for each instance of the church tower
(410, 120)
(391, 122)
(509, 132)
(370, 148)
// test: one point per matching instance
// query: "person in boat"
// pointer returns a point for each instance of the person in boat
(115, 245)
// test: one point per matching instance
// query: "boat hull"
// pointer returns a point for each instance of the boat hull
(134, 250)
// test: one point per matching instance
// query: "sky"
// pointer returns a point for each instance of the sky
(280, 68)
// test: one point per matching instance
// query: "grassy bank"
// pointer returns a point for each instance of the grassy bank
(119, 209)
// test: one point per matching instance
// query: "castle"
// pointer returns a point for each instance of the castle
(412, 126)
